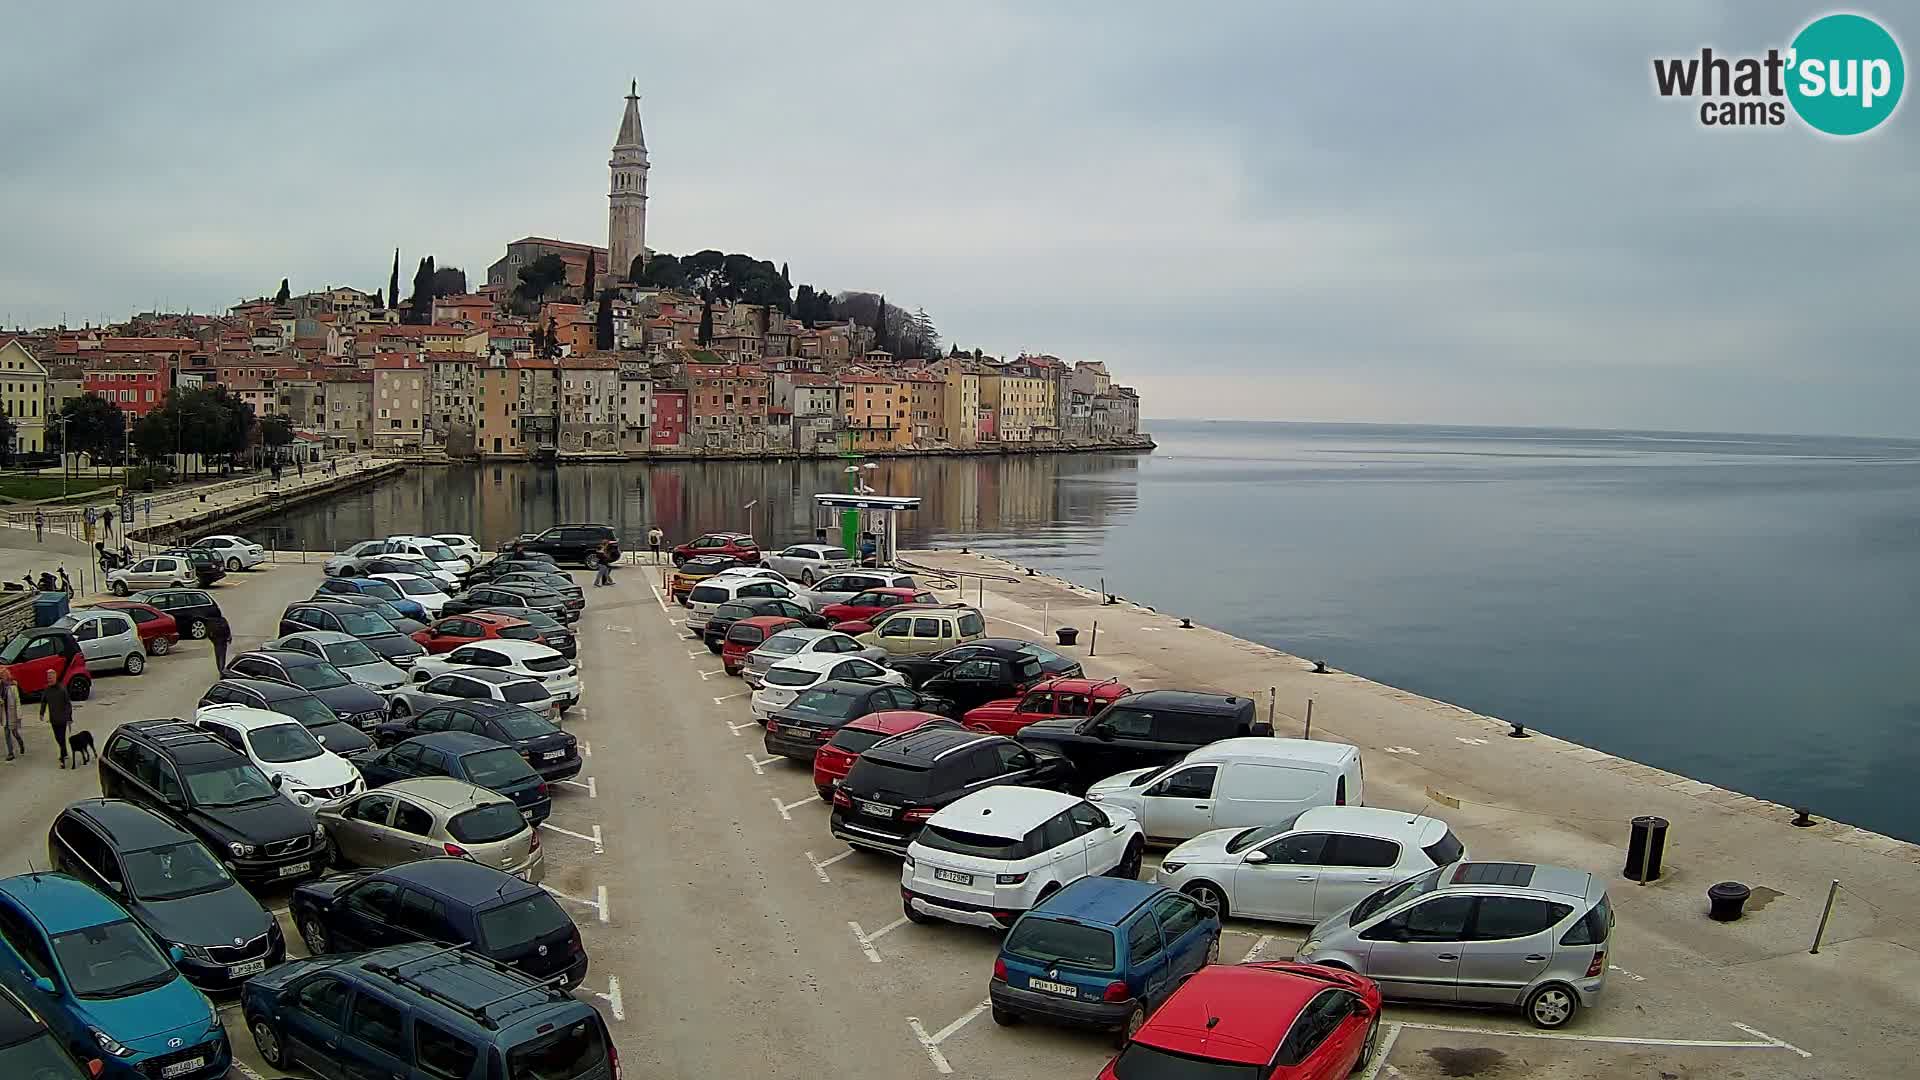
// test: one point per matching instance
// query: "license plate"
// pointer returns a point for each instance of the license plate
(295, 868)
(251, 967)
(182, 1068)
(954, 876)
(874, 809)
(1063, 989)
(555, 755)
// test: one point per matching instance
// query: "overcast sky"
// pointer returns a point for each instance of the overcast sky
(1377, 212)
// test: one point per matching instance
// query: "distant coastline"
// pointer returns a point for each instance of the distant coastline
(1142, 444)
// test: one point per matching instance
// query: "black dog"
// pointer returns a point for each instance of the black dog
(80, 744)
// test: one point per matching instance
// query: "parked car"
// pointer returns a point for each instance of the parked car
(799, 728)
(526, 659)
(367, 627)
(1102, 953)
(215, 793)
(352, 702)
(1030, 661)
(374, 587)
(462, 545)
(1275, 1020)
(282, 748)
(190, 608)
(475, 684)
(1234, 783)
(1156, 727)
(431, 816)
(472, 1018)
(400, 562)
(463, 756)
(896, 786)
(172, 885)
(724, 616)
(401, 622)
(207, 567)
(30, 1049)
(1047, 700)
(432, 550)
(553, 753)
(570, 543)
(708, 595)
(36, 657)
(1303, 869)
(786, 679)
(329, 730)
(158, 632)
(553, 579)
(453, 631)
(972, 680)
(512, 598)
(832, 761)
(236, 553)
(864, 606)
(924, 631)
(807, 563)
(110, 640)
(431, 595)
(152, 572)
(991, 855)
(799, 641)
(845, 584)
(1523, 935)
(101, 984)
(533, 562)
(355, 659)
(548, 630)
(350, 558)
(748, 634)
(574, 600)
(734, 545)
(694, 571)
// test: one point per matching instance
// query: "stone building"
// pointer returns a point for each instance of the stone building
(589, 404)
(636, 406)
(627, 191)
(400, 402)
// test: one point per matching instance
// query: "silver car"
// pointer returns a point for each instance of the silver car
(808, 563)
(108, 640)
(485, 684)
(346, 652)
(429, 816)
(798, 641)
(1479, 933)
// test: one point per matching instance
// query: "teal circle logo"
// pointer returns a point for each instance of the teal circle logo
(1846, 74)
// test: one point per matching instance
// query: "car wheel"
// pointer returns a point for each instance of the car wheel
(120, 589)
(825, 793)
(1209, 896)
(1136, 1020)
(79, 688)
(1213, 950)
(1552, 1006)
(314, 935)
(197, 629)
(233, 565)
(267, 1041)
(713, 647)
(398, 710)
(136, 663)
(1368, 1048)
(1005, 1017)
(1129, 866)
(918, 918)
(160, 646)
(806, 577)
(679, 559)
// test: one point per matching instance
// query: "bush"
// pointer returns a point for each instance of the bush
(147, 477)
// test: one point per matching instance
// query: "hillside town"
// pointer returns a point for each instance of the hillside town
(576, 351)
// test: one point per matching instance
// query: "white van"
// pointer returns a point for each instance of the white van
(1257, 780)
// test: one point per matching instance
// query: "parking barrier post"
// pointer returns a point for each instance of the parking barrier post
(1821, 931)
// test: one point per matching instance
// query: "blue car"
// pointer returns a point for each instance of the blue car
(103, 985)
(374, 587)
(463, 755)
(1101, 953)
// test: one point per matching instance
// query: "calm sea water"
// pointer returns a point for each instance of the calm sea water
(1740, 609)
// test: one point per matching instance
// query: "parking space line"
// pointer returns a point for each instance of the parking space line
(795, 805)
(760, 766)
(586, 748)
(1381, 1053)
(738, 728)
(612, 998)
(1259, 946)
(661, 600)
(931, 1043)
(695, 654)
(729, 697)
(1758, 1034)
(820, 865)
(1021, 625)
(591, 788)
(598, 905)
(1767, 1042)
(594, 839)
(865, 942)
(705, 675)
(245, 1070)
(619, 629)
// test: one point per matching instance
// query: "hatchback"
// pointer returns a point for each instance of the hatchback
(748, 634)
(282, 748)
(1273, 1020)
(367, 627)
(799, 640)
(431, 595)
(1101, 953)
(453, 631)
(374, 587)
(731, 544)
(401, 622)
(921, 631)
(462, 545)
(696, 570)
(153, 572)
(37, 657)
(863, 607)
(526, 659)
(547, 630)
(431, 816)
(803, 725)
(723, 588)
(463, 756)
(724, 616)
(338, 735)
(807, 563)
(350, 701)
(832, 762)
(1479, 933)
(785, 680)
(348, 654)
(109, 640)
(845, 584)
(157, 630)
(551, 751)
(472, 684)
(190, 608)
(30, 1049)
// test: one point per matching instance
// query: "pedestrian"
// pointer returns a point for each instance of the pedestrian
(604, 559)
(869, 550)
(654, 540)
(220, 636)
(40, 526)
(106, 521)
(10, 713)
(300, 466)
(66, 583)
(56, 708)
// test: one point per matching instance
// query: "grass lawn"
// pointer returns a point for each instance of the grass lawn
(28, 487)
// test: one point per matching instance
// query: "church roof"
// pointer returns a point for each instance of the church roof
(630, 133)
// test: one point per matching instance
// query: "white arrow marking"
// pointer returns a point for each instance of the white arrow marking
(1402, 750)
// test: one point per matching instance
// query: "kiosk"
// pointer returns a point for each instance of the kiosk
(875, 514)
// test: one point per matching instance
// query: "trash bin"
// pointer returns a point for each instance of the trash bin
(1648, 841)
(49, 608)
(1067, 634)
(1726, 900)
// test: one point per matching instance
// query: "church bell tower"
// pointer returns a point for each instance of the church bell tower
(627, 193)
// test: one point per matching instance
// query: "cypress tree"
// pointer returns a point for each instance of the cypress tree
(393, 283)
(603, 323)
(706, 316)
(586, 290)
(284, 294)
(880, 323)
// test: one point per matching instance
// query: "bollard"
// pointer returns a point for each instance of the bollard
(1095, 638)
(1186, 624)
(1725, 901)
(1821, 930)
(1067, 635)
(1319, 667)
(1308, 734)
(1519, 731)
(1646, 844)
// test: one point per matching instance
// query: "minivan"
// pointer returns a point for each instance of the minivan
(1235, 782)
(923, 631)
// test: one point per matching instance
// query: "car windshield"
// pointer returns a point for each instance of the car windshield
(826, 703)
(363, 622)
(380, 589)
(1142, 1062)
(1247, 838)
(416, 586)
(496, 768)
(520, 633)
(522, 922)
(112, 960)
(387, 611)
(521, 724)
(487, 824)
(229, 785)
(284, 742)
(960, 842)
(522, 693)
(1056, 941)
(173, 871)
(783, 644)
(317, 676)
(709, 594)
(1393, 894)
(438, 552)
(310, 711)
(349, 654)
(564, 1055)
(780, 676)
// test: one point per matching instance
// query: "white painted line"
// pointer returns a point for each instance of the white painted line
(931, 1043)
(1029, 629)
(1625, 974)
(1401, 750)
(820, 865)
(598, 847)
(590, 787)
(896, 924)
(760, 767)
(705, 675)
(586, 748)
(243, 1069)
(612, 998)
(619, 629)
(279, 911)
(662, 600)
(730, 697)
(1469, 742)
(1758, 1034)
(738, 728)
(865, 943)
(1380, 1053)
(695, 654)
(1259, 947)
(1620, 1040)
(601, 892)
(795, 805)
(599, 906)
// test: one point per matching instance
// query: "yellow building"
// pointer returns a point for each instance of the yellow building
(23, 397)
(1022, 406)
(877, 408)
(959, 424)
(497, 408)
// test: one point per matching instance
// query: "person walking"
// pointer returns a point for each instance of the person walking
(10, 713)
(40, 526)
(604, 560)
(220, 636)
(56, 708)
(654, 540)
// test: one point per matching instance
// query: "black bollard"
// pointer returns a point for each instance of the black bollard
(1646, 844)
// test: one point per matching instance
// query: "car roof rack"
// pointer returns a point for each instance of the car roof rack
(549, 988)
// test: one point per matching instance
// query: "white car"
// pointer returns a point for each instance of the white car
(994, 854)
(1327, 860)
(799, 641)
(348, 653)
(462, 545)
(348, 560)
(808, 563)
(720, 588)
(838, 588)
(527, 659)
(485, 684)
(281, 747)
(152, 572)
(786, 679)
(109, 639)
(424, 591)
(235, 552)
(430, 549)
(419, 565)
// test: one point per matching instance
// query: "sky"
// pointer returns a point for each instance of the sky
(1474, 213)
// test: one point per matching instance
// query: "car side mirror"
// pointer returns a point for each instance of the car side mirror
(1105, 734)
(176, 954)
(43, 984)
(278, 779)
(1257, 856)
(1362, 1009)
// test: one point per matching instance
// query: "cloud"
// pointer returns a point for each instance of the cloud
(1366, 212)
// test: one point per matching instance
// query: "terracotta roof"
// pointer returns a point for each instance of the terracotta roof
(395, 363)
(590, 363)
(568, 245)
(147, 344)
(452, 358)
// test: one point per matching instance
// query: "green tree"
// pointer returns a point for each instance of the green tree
(393, 283)
(447, 281)
(378, 300)
(275, 431)
(553, 340)
(90, 425)
(603, 323)
(803, 305)
(586, 287)
(284, 294)
(421, 302)
(706, 316)
(8, 432)
(539, 276)
(881, 337)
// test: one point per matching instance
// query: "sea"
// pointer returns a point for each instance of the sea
(1740, 609)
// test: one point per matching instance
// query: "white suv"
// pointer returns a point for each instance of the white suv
(994, 854)
(281, 747)
(784, 680)
(720, 588)
(526, 659)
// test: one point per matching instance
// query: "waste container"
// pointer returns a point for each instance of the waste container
(1067, 634)
(1726, 900)
(1647, 841)
(49, 608)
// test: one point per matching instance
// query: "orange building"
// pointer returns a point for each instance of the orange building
(877, 407)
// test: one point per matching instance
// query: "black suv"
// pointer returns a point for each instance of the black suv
(553, 753)
(172, 885)
(533, 562)
(1138, 731)
(566, 543)
(352, 703)
(973, 674)
(804, 724)
(190, 608)
(215, 793)
(335, 734)
(899, 783)
(443, 899)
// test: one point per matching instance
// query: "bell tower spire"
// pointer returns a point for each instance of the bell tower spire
(627, 191)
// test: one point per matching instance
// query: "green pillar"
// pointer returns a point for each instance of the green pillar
(850, 519)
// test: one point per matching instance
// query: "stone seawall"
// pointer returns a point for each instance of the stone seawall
(1144, 444)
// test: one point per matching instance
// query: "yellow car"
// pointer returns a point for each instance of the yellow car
(694, 571)
(924, 631)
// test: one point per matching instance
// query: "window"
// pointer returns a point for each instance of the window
(380, 1025)
(374, 809)
(1128, 723)
(1503, 917)
(1299, 849)
(1318, 1020)
(412, 819)
(896, 628)
(422, 915)
(1177, 915)
(1441, 918)
(1010, 756)
(324, 998)
(1088, 818)
(440, 1053)
(1143, 940)
(1058, 830)
(926, 628)
(377, 900)
(1194, 783)
(1368, 851)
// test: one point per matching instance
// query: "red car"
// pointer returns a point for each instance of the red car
(1276, 1020)
(34, 659)
(452, 631)
(1044, 701)
(157, 630)
(832, 762)
(863, 606)
(733, 545)
(747, 635)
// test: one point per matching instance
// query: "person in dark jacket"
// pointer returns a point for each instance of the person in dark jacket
(220, 636)
(56, 708)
